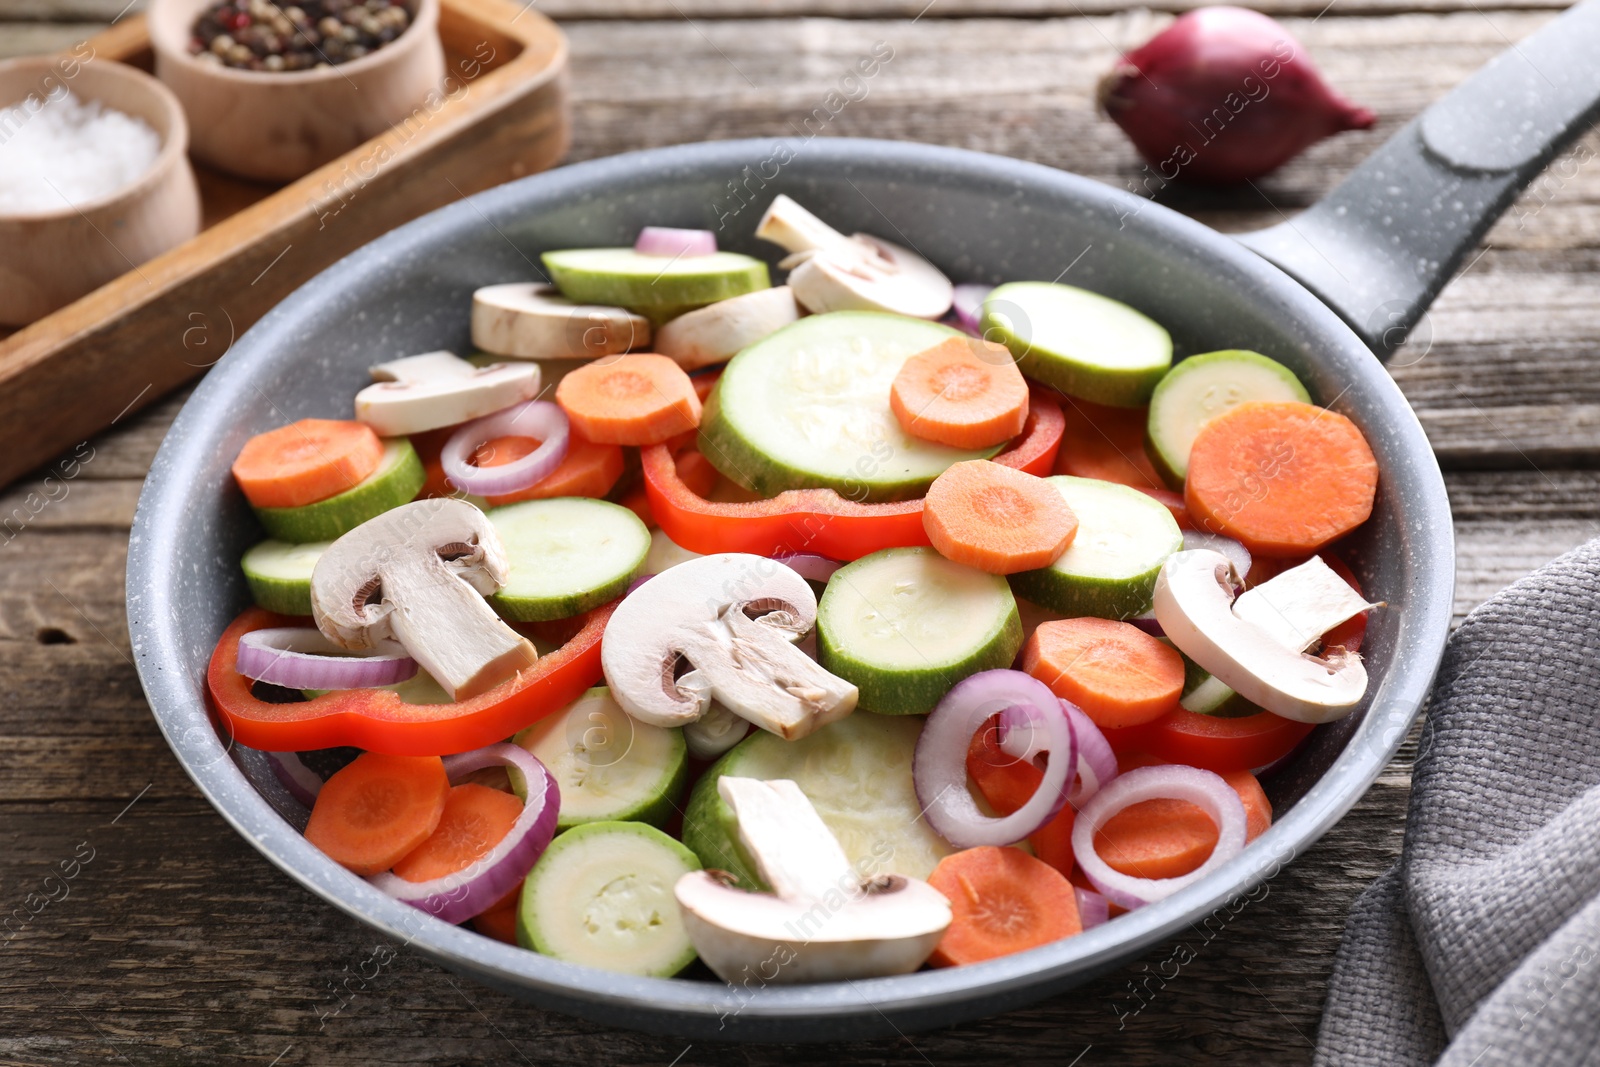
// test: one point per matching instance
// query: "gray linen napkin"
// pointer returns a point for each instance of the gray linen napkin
(1482, 945)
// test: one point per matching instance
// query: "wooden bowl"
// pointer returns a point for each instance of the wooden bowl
(278, 127)
(50, 258)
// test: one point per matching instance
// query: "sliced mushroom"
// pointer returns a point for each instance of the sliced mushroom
(832, 272)
(532, 320)
(1194, 605)
(417, 576)
(440, 389)
(825, 921)
(718, 332)
(722, 627)
(1301, 604)
(715, 732)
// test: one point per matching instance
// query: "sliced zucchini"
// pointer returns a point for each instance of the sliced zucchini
(1109, 570)
(568, 554)
(809, 406)
(397, 481)
(279, 574)
(659, 287)
(905, 624)
(857, 772)
(1082, 343)
(608, 766)
(1199, 389)
(601, 895)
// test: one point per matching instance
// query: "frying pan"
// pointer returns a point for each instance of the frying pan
(1322, 293)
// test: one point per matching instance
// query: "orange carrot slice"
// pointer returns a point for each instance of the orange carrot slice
(961, 392)
(639, 399)
(1118, 674)
(306, 461)
(499, 923)
(996, 518)
(1282, 477)
(1169, 838)
(1003, 901)
(1106, 443)
(475, 818)
(377, 808)
(587, 469)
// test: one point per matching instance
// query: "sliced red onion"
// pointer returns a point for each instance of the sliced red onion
(636, 583)
(458, 897)
(301, 781)
(939, 765)
(1170, 782)
(1237, 554)
(538, 419)
(810, 567)
(299, 657)
(673, 243)
(1097, 764)
(1093, 909)
(968, 306)
(1149, 624)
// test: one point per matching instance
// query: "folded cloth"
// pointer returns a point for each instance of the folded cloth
(1482, 945)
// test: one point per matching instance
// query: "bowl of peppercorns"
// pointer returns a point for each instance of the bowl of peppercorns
(274, 89)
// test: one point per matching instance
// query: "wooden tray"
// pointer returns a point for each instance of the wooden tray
(93, 362)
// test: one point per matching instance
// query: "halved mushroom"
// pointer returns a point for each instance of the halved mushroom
(532, 320)
(715, 732)
(718, 332)
(1194, 605)
(826, 919)
(1301, 604)
(440, 389)
(832, 272)
(417, 576)
(722, 627)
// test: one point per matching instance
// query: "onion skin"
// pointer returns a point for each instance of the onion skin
(1223, 95)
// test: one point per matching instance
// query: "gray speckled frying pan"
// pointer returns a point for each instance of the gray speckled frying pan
(1355, 271)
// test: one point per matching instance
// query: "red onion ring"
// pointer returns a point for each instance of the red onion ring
(811, 567)
(673, 243)
(1149, 624)
(939, 765)
(301, 781)
(1237, 554)
(1166, 782)
(1093, 909)
(538, 419)
(1097, 764)
(968, 306)
(458, 897)
(299, 657)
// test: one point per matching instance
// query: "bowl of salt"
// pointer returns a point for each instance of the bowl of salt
(94, 179)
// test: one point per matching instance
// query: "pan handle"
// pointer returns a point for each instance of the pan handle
(1380, 247)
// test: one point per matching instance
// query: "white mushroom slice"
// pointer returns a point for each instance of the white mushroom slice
(730, 620)
(1300, 605)
(418, 575)
(715, 732)
(1194, 605)
(532, 320)
(832, 272)
(826, 920)
(719, 331)
(440, 389)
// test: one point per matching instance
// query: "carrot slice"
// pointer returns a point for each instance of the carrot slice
(587, 469)
(1284, 478)
(475, 818)
(499, 923)
(1167, 838)
(1118, 674)
(639, 399)
(377, 808)
(962, 392)
(306, 461)
(996, 518)
(1003, 901)
(1007, 783)
(1106, 443)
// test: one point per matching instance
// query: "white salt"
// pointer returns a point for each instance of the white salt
(68, 152)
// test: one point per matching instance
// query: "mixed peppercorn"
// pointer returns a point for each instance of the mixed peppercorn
(262, 35)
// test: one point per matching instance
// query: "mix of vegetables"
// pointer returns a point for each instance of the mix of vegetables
(818, 631)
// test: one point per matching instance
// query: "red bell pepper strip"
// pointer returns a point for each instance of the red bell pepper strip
(820, 520)
(379, 721)
(1213, 742)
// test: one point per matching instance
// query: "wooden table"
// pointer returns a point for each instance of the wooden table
(178, 944)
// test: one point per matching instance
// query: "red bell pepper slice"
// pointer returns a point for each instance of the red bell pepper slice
(1213, 742)
(820, 520)
(379, 721)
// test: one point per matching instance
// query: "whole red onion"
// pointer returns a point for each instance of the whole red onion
(1223, 95)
